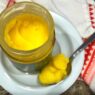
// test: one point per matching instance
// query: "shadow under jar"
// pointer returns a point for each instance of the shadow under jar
(28, 61)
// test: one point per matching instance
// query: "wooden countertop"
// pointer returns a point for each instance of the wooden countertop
(79, 88)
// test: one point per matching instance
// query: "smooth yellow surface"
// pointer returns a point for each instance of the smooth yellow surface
(55, 71)
(26, 32)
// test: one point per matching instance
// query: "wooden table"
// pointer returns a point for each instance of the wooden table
(3, 92)
(79, 88)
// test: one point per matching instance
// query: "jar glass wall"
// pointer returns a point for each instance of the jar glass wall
(29, 61)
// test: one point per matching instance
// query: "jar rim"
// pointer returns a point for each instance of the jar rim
(19, 4)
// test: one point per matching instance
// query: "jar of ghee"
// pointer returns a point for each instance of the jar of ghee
(27, 36)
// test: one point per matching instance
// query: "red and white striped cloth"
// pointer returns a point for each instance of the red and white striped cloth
(91, 5)
(88, 71)
(10, 2)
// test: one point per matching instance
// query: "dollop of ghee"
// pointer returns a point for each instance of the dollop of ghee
(26, 32)
(55, 71)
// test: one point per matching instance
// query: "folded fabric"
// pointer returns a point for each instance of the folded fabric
(80, 12)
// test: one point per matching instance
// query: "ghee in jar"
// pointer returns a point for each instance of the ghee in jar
(26, 32)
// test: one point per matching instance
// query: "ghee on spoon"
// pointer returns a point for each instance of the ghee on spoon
(59, 68)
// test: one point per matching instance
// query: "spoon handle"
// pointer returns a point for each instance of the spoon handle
(83, 46)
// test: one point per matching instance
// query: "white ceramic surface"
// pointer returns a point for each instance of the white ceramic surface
(67, 40)
(3, 4)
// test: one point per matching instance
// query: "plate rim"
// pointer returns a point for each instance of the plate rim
(56, 86)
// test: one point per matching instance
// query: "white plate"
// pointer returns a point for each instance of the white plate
(17, 83)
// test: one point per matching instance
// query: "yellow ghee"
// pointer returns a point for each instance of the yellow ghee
(55, 71)
(26, 32)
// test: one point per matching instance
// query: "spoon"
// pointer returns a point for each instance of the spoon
(78, 50)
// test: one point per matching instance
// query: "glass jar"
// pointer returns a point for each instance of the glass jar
(30, 61)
